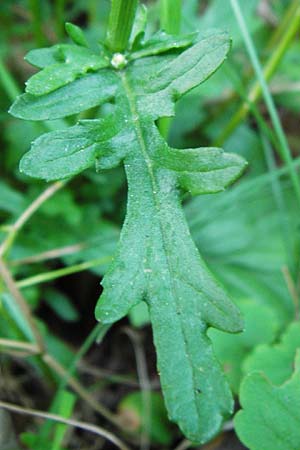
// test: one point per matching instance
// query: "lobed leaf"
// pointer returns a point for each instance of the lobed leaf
(193, 66)
(75, 61)
(261, 326)
(202, 170)
(64, 153)
(161, 42)
(43, 57)
(276, 361)
(157, 261)
(76, 34)
(84, 93)
(270, 416)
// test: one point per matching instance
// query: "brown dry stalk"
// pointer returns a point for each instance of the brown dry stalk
(72, 423)
(50, 254)
(41, 348)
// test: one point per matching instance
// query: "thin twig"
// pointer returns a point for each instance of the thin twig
(58, 273)
(61, 371)
(83, 367)
(73, 423)
(183, 445)
(215, 444)
(16, 353)
(145, 386)
(50, 254)
(228, 426)
(80, 390)
(16, 294)
(48, 359)
(19, 345)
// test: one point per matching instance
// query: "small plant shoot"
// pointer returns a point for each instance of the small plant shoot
(157, 261)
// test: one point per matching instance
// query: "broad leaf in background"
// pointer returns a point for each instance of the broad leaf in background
(261, 326)
(157, 261)
(240, 236)
(276, 361)
(11, 201)
(270, 416)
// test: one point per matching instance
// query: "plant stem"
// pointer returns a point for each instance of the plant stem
(92, 6)
(284, 146)
(120, 24)
(170, 15)
(43, 356)
(170, 21)
(183, 445)
(13, 289)
(88, 342)
(73, 423)
(59, 8)
(9, 85)
(54, 274)
(36, 11)
(145, 386)
(289, 32)
(79, 389)
(19, 345)
(284, 23)
(49, 254)
(279, 199)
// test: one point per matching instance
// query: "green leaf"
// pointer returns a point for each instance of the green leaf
(9, 305)
(84, 93)
(43, 57)
(51, 434)
(139, 315)
(157, 261)
(270, 416)
(63, 405)
(61, 305)
(61, 154)
(202, 170)
(139, 26)
(11, 200)
(240, 236)
(193, 66)
(261, 326)
(72, 62)
(276, 361)
(76, 34)
(161, 42)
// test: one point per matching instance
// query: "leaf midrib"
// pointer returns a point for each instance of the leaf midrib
(155, 188)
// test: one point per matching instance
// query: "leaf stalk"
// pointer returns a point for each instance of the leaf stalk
(170, 15)
(120, 24)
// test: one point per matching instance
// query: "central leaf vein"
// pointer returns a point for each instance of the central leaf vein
(155, 188)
